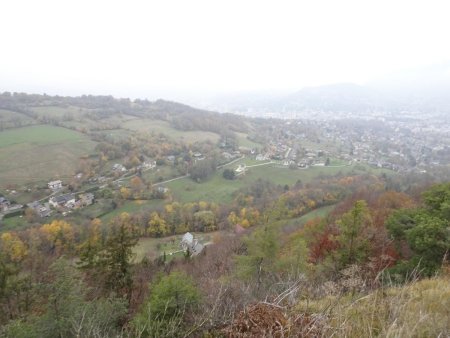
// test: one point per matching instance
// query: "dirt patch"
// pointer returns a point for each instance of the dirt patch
(259, 320)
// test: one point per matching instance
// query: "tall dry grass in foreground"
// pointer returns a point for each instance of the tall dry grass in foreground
(417, 309)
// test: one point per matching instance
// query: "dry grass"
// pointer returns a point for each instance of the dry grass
(420, 309)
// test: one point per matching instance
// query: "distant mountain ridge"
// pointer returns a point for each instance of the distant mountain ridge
(353, 98)
(421, 90)
(337, 97)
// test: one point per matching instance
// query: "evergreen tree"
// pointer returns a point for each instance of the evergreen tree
(117, 254)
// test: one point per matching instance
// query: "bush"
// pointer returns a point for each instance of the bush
(163, 313)
(228, 174)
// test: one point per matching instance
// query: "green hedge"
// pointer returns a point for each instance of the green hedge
(14, 214)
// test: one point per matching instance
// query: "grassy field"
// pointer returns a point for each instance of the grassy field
(243, 141)
(40, 153)
(55, 111)
(157, 126)
(293, 224)
(10, 119)
(13, 223)
(133, 207)
(164, 172)
(248, 161)
(220, 190)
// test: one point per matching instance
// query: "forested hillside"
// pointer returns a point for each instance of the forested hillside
(123, 218)
(31, 109)
(376, 255)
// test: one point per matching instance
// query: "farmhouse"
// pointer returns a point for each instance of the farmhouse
(4, 204)
(240, 169)
(147, 165)
(119, 167)
(67, 200)
(41, 210)
(162, 189)
(86, 199)
(261, 157)
(55, 185)
(190, 244)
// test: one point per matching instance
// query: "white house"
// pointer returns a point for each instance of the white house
(55, 185)
(119, 167)
(261, 157)
(4, 204)
(190, 244)
(240, 169)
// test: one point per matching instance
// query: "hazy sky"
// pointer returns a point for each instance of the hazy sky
(130, 48)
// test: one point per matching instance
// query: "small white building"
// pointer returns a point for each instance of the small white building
(240, 169)
(261, 157)
(119, 167)
(55, 185)
(190, 244)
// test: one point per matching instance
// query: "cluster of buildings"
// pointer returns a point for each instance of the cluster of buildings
(70, 201)
(391, 142)
(63, 203)
(6, 206)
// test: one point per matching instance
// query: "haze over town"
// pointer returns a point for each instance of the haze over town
(224, 169)
(199, 51)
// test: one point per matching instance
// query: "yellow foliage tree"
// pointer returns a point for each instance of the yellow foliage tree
(245, 223)
(59, 234)
(13, 246)
(157, 226)
(203, 205)
(125, 193)
(232, 218)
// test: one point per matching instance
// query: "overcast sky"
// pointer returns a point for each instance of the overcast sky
(131, 48)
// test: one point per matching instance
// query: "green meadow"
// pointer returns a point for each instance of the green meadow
(39, 153)
(220, 190)
(158, 126)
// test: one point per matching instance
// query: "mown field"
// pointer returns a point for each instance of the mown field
(132, 207)
(243, 141)
(40, 153)
(13, 223)
(10, 119)
(158, 126)
(56, 111)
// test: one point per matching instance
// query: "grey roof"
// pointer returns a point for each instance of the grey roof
(63, 198)
(188, 238)
(34, 205)
(196, 249)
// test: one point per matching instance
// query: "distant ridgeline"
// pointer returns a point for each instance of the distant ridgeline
(180, 116)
